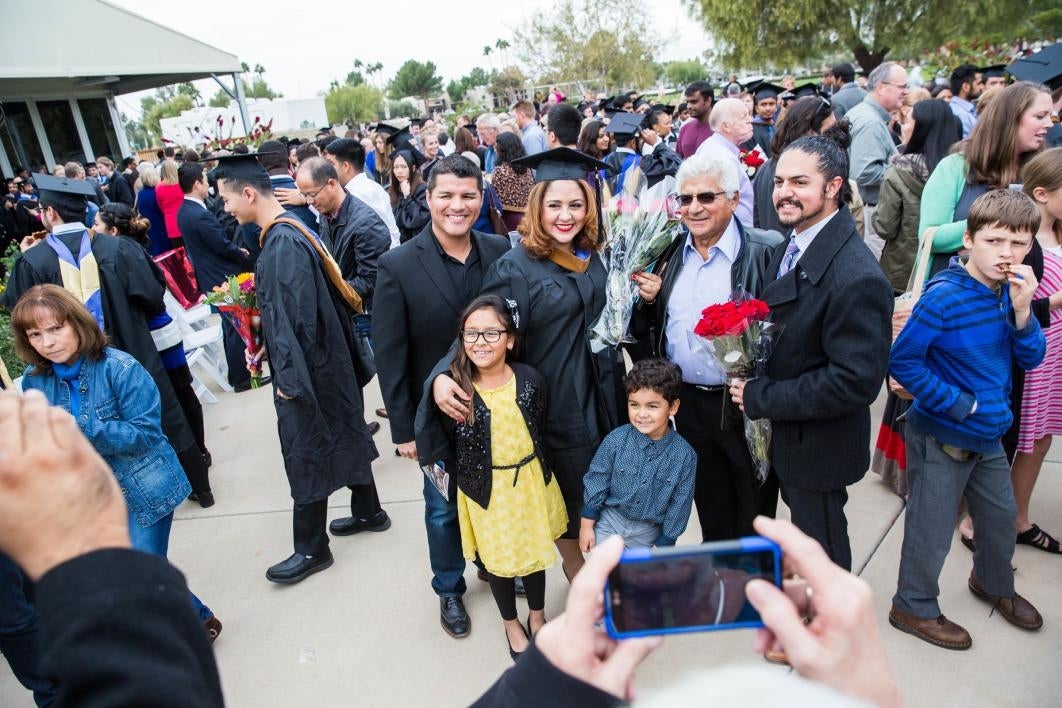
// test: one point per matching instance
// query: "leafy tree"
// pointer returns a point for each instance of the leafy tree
(166, 103)
(477, 77)
(259, 89)
(220, 100)
(779, 33)
(360, 103)
(416, 79)
(603, 41)
(507, 83)
(404, 109)
(683, 73)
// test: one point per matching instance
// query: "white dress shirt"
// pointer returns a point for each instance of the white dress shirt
(376, 197)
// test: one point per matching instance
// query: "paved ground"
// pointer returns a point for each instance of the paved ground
(366, 632)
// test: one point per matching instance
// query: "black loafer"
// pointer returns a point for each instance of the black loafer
(298, 567)
(453, 617)
(350, 525)
(373, 427)
(204, 499)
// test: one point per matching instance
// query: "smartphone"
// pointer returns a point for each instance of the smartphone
(688, 588)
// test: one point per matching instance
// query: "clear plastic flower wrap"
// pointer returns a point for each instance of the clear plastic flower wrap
(639, 224)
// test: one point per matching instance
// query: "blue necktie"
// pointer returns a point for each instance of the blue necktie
(791, 252)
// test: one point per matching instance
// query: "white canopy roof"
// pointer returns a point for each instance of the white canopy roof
(54, 47)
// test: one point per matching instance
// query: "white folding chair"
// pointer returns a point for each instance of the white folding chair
(203, 347)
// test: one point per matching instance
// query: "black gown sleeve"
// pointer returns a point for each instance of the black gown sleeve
(660, 163)
(534, 681)
(411, 213)
(116, 629)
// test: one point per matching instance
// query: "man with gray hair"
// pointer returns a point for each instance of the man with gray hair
(872, 147)
(487, 126)
(731, 125)
(718, 255)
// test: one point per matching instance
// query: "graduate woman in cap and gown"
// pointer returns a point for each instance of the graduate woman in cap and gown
(554, 282)
(407, 189)
(113, 276)
(307, 324)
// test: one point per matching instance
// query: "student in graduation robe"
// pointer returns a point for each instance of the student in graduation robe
(114, 278)
(765, 104)
(556, 280)
(307, 323)
(624, 129)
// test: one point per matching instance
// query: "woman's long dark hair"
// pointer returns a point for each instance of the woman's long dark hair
(116, 215)
(936, 129)
(803, 117)
(461, 368)
(588, 139)
(509, 148)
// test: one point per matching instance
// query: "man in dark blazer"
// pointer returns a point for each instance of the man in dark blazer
(828, 363)
(214, 258)
(421, 288)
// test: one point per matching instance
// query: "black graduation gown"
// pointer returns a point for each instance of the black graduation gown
(556, 309)
(411, 213)
(309, 336)
(131, 294)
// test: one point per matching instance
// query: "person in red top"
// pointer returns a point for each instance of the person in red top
(700, 97)
(170, 197)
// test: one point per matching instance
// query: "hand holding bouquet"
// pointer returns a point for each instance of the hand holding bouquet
(639, 224)
(236, 299)
(736, 337)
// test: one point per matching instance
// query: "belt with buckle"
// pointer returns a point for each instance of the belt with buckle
(710, 389)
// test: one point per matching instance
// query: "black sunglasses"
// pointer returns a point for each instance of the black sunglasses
(703, 198)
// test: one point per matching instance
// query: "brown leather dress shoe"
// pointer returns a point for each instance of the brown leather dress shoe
(939, 631)
(1016, 610)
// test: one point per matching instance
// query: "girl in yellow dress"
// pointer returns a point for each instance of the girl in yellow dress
(508, 503)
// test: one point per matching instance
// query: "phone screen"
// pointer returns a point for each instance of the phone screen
(694, 588)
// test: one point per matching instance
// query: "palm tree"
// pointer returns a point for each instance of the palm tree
(501, 45)
(486, 52)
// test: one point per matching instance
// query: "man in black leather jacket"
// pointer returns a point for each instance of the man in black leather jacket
(717, 257)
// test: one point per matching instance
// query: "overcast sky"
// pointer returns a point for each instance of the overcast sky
(303, 46)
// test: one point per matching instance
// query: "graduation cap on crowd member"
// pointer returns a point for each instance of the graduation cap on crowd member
(639, 102)
(625, 126)
(419, 122)
(665, 107)
(996, 71)
(764, 89)
(562, 163)
(1044, 67)
(410, 154)
(62, 191)
(241, 166)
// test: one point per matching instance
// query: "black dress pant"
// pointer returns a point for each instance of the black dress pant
(821, 516)
(727, 494)
(234, 354)
(309, 520)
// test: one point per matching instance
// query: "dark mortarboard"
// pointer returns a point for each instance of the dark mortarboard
(665, 107)
(384, 128)
(240, 167)
(994, 71)
(417, 121)
(625, 124)
(562, 163)
(765, 89)
(800, 92)
(639, 102)
(400, 138)
(410, 154)
(1044, 67)
(62, 191)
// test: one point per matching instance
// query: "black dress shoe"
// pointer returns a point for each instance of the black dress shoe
(453, 618)
(204, 499)
(350, 525)
(517, 654)
(373, 427)
(298, 567)
(381, 412)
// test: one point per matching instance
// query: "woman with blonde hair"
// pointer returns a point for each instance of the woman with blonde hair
(378, 161)
(147, 204)
(555, 282)
(170, 197)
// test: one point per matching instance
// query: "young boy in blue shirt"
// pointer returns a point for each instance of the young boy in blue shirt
(954, 356)
(640, 482)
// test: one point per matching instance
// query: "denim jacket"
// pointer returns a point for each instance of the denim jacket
(120, 414)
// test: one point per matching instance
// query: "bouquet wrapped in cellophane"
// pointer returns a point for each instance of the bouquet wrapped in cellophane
(639, 224)
(736, 336)
(237, 298)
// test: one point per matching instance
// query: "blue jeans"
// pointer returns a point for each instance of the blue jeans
(155, 539)
(444, 541)
(18, 633)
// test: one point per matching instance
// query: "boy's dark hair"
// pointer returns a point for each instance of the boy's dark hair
(658, 375)
(565, 121)
(844, 73)
(188, 174)
(457, 166)
(1006, 208)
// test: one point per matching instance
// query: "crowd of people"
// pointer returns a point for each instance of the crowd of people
(465, 273)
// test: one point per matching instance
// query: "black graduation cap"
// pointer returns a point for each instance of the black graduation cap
(765, 89)
(237, 166)
(665, 107)
(62, 191)
(625, 124)
(994, 71)
(400, 138)
(417, 121)
(384, 128)
(800, 92)
(1045, 67)
(562, 163)
(639, 102)
(410, 154)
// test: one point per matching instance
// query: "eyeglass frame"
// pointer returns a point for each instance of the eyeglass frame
(312, 196)
(486, 334)
(700, 197)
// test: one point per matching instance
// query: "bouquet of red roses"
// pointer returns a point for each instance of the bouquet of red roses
(736, 336)
(752, 160)
(236, 298)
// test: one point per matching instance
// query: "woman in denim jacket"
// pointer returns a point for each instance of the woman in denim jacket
(116, 405)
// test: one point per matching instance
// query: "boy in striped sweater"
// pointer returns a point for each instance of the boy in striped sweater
(954, 356)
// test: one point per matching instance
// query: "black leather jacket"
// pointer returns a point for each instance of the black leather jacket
(749, 273)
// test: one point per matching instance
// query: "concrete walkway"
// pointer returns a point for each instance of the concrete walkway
(366, 631)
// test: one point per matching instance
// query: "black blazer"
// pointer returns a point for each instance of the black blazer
(213, 255)
(415, 312)
(828, 362)
(119, 190)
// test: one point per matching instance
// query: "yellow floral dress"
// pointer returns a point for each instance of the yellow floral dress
(514, 535)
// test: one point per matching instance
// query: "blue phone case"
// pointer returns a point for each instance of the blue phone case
(635, 555)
